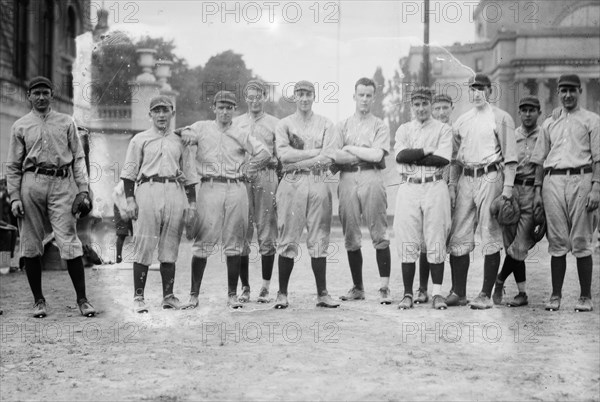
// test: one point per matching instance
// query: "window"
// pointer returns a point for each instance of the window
(46, 37)
(71, 32)
(21, 47)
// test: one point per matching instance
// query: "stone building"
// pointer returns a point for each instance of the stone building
(524, 46)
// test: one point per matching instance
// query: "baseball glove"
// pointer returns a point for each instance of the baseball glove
(538, 231)
(82, 204)
(506, 210)
(296, 142)
(192, 223)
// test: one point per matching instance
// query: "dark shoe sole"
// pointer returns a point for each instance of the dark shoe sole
(325, 305)
(281, 306)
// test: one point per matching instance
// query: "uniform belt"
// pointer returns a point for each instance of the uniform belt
(270, 166)
(480, 171)
(357, 168)
(303, 171)
(220, 180)
(429, 179)
(158, 179)
(64, 172)
(526, 182)
(580, 170)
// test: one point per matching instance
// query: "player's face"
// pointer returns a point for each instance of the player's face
(529, 116)
(224, 112)
(569, 97)
(479, 95)
(161, 117)
(364, 97)
(421, 109)
(255, 100)
(304, 100)
(40, 98)
(441, 111)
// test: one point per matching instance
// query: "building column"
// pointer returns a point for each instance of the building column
(544, 95)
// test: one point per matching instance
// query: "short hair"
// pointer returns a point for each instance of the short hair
(366, 82)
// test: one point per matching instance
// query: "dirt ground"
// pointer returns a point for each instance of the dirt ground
(360, 351)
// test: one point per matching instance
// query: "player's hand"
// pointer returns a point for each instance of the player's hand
(188, 137)
(452, 191)
(593, 199)
(507, 192)
(132, 208)
(17, 209)
(428, 150)
(250, 171)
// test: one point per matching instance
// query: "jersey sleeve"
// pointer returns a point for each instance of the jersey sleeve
(505, 127)
(542, 145)
(444, 146)
(80, 173)
(14, 165)
(381, 139)
(133, 159)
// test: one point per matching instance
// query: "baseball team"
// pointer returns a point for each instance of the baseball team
(223, 179)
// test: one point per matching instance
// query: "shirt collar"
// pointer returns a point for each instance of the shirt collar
(526, 134)
(42, 116)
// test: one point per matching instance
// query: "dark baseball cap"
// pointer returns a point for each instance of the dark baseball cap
(569, 80)
(480, 80)
(530, 101)
(40, 81)
(304, 85)
(442, 98)
(421, 93)
(255, 84)
(225, 96)
(161, 100)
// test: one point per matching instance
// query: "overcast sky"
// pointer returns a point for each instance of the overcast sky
(328, 42)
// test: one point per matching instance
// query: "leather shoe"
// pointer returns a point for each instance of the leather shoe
(171, 302)
(39, 308)
(324, 300)
(421, 296)
(263, 296)
(406, 302)
(481, 302)
(384, 296)
(282, 301)
(139, 305)
(553, 304)
(519, 300)
(455, 300)
(245, 296)
(439, 303)
(192, 303)
(86, 309)
(584, 304)
(233, 301)
(498, 292)
(354, 294)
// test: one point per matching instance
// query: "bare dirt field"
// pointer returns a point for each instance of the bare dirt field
(360, 351)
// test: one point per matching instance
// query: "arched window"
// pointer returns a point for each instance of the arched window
(71, 31)
(586, 16)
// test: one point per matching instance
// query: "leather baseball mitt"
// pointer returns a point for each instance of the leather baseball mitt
(192, 223)
(506, 210)
(296, 142)
(82, 204)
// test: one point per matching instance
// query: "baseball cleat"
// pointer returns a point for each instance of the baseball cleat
(324, 300)
(354, 294)
(245, 296)
(39, 308)
(455, 300)
(233, 301)
(481, 302)
(86, 309)
(421, 296)
(139, 305)
(263, 296)
(282, 301)
(384, 296)
(584, 304)
(498, 292)
(519, 300)
(553, 304)
(439, 303)
(171, 302)
(192, 303)
(406, 302)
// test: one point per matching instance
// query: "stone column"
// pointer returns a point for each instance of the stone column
(544, 96)
(143, 88)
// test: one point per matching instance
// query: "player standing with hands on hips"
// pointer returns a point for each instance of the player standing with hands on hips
(164, 171)
(423, 147)
(567, 186)
(361, 142)
(47, 183)
(483, 168)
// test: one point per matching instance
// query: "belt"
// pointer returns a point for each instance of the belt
(312, 171)
(526, 182)
(580, 170)
(220, 180)
(270, 166)
(158, 179)
(64, 172)
(480, 171)
(429, 179)
(357, 168)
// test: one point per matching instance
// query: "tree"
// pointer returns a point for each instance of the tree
(379, 93)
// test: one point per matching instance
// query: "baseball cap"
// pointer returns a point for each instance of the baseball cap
(569, 80)
(422, 93)
(225, 96)
(161, 100)
(305, 85)
(40, 81)
(442, 98)
(256, 84)
(480, 80)
(530, 101)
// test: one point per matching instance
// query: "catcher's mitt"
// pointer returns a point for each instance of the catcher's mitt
(506, 210)
(295, 141)
(538, 231)
(192, 223)
(82, 204)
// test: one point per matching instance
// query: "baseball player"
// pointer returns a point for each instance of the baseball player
(261, 190)
(165, 174)
(422, 216)
(48, 186)
(441, 109)
(361, 142)
(484, 162)
(221, 160)
(567, 186)
(517, 238)
(303, 197)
